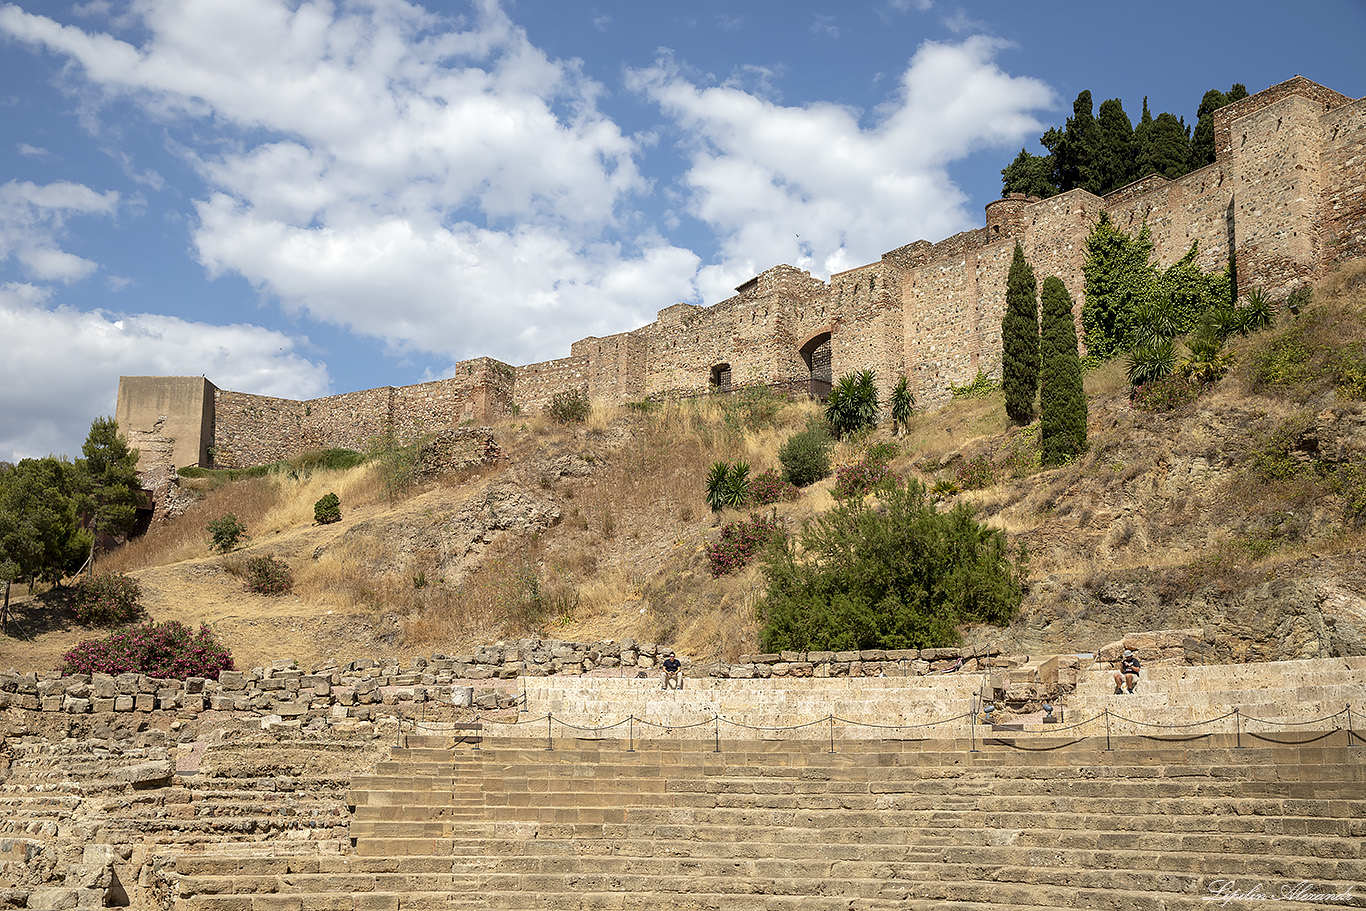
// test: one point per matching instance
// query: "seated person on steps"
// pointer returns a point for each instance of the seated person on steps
(673, 673)
(1127, 675)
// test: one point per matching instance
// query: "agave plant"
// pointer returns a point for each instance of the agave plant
(727, 485)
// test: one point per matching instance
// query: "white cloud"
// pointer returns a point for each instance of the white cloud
(32, 221)
(442, 186)
(62, 367)
(852, 187)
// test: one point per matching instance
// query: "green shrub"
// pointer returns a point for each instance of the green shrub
(1166, 394)
(226, 532)
(1208, 361)
(109, 599)
(1284, 362)
(852, 404)
(1257, 313)
(327, 510)
(1349, 370)
(570, 406)
(805, 456)
(860, 478)
(269, 576)
(167, 650)
(981, 386)
(751, 409)
(898, 574)
(945, 488)
(727, 485)
(1151, 361)
(1274, 456)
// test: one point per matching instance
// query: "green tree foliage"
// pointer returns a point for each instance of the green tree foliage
(109, 479)
(805, 456)
(1020, 340)
(852, 404)
(1166, 148)
(1076, 159)
(903, 406)
(1115, 150)
(570, 406)
(1062, 412)
(891, 574)
(1202, 139)
(40, 530)
(1029, 174)
(107, 599)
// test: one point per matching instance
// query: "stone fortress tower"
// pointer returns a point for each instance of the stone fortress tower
(1286, 197)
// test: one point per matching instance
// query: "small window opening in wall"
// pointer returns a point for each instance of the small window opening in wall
(720, 378)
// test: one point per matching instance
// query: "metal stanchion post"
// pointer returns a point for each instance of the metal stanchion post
(549, 744)
(972, 727)
(478, 731)
(1351, 734)
(1237, 730)
(716, 720)
(631, 732)
(1108, 748)
(832, 733)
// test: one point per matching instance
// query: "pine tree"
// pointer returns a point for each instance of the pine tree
(1062, 413)
(1115, 157)
(109, 478)
(1020, 340)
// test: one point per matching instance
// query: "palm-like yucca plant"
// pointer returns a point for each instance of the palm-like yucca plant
(1257, 314)
(903, 406)
(1152, 361)
(852, 404)
(727, 485)
(1208, 361)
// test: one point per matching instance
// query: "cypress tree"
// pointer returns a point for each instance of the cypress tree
(1115, 158)
(1168, 147)
(1202, 140)
(1075, 158)
(1062, 413)
(1020, 340)
(1029, 174)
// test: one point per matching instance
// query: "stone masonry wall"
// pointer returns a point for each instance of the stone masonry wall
(1287, 194)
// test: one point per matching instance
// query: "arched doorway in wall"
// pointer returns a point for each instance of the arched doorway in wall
(816, 355)
(720, 378)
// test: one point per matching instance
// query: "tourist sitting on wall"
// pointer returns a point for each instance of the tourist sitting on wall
(673, 673)
(1127, 675)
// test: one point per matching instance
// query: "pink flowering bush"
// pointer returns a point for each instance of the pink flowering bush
(740, 542)
(976, 474)
(168, 650)
(860, 478)
(771, 487)
(109, 599)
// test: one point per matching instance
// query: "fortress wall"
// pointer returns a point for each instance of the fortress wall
(1344, 167)
(479, 388)
(1226, 136)
(536, 384)
(1192, 208)
(255, 429)
(167, 419)
(1275, 169)
(346, 421)
(616, 366)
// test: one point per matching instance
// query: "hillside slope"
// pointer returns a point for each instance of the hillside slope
(1241, 514)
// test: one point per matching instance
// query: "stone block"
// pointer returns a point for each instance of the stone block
(123, 703)
(846, 657)
(194, 684)
(903, 654)
(232, 681)
(148, 774)
(102, 705)
(51, 703)
(74, 706)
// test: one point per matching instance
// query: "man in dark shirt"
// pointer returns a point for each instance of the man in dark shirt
(1127, 675)
(673, 673)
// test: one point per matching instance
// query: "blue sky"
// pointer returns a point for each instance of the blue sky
(300, 198)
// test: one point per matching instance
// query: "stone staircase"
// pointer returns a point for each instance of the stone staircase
(767, 825)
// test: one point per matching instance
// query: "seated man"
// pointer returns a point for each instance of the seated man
(1127, 675)
(673, 673)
